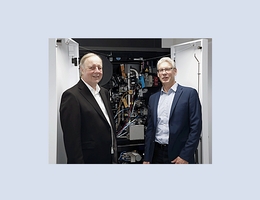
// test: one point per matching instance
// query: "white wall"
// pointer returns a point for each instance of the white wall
(63, 74)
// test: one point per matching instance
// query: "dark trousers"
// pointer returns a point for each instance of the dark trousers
(160, 155)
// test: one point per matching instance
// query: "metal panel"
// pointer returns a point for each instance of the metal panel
(194, 70)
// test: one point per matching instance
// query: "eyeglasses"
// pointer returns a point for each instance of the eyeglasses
(165, 69)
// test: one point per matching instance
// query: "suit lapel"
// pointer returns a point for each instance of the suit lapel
(156, 99)
(176, 98)
(89, 97)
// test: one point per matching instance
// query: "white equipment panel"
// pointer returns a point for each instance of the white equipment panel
(193, 63)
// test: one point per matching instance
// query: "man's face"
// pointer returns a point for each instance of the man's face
(166, 73)
(92, 73)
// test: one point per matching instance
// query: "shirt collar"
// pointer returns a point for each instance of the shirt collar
(173, 88)
(92, 90)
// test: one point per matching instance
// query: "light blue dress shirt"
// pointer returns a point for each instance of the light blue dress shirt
(163, 114)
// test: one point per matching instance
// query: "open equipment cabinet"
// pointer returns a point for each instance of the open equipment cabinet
(130, 76)
(131, 85)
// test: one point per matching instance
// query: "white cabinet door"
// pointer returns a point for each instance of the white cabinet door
(194, 69)
(63, 74)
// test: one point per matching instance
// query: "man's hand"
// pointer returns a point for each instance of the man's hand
(146, 162)
(179, 160)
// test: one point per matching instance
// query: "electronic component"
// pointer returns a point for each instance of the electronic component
(129, 157)
(136, 132)
(130, 89)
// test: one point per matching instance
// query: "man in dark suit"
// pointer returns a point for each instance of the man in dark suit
(87, 119)
(174, 120)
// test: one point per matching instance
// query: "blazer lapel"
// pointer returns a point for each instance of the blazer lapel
(176, 98)
(156, 101)
(89, 97)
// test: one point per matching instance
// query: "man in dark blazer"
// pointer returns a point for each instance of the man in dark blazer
(87, 119)
(174, 120)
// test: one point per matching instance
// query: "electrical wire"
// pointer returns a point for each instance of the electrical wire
(156, 57)
(133, 107)
(120, 112)
(119, 106)
(125, 127)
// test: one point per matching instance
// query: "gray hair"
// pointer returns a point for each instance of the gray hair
(166, 59)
